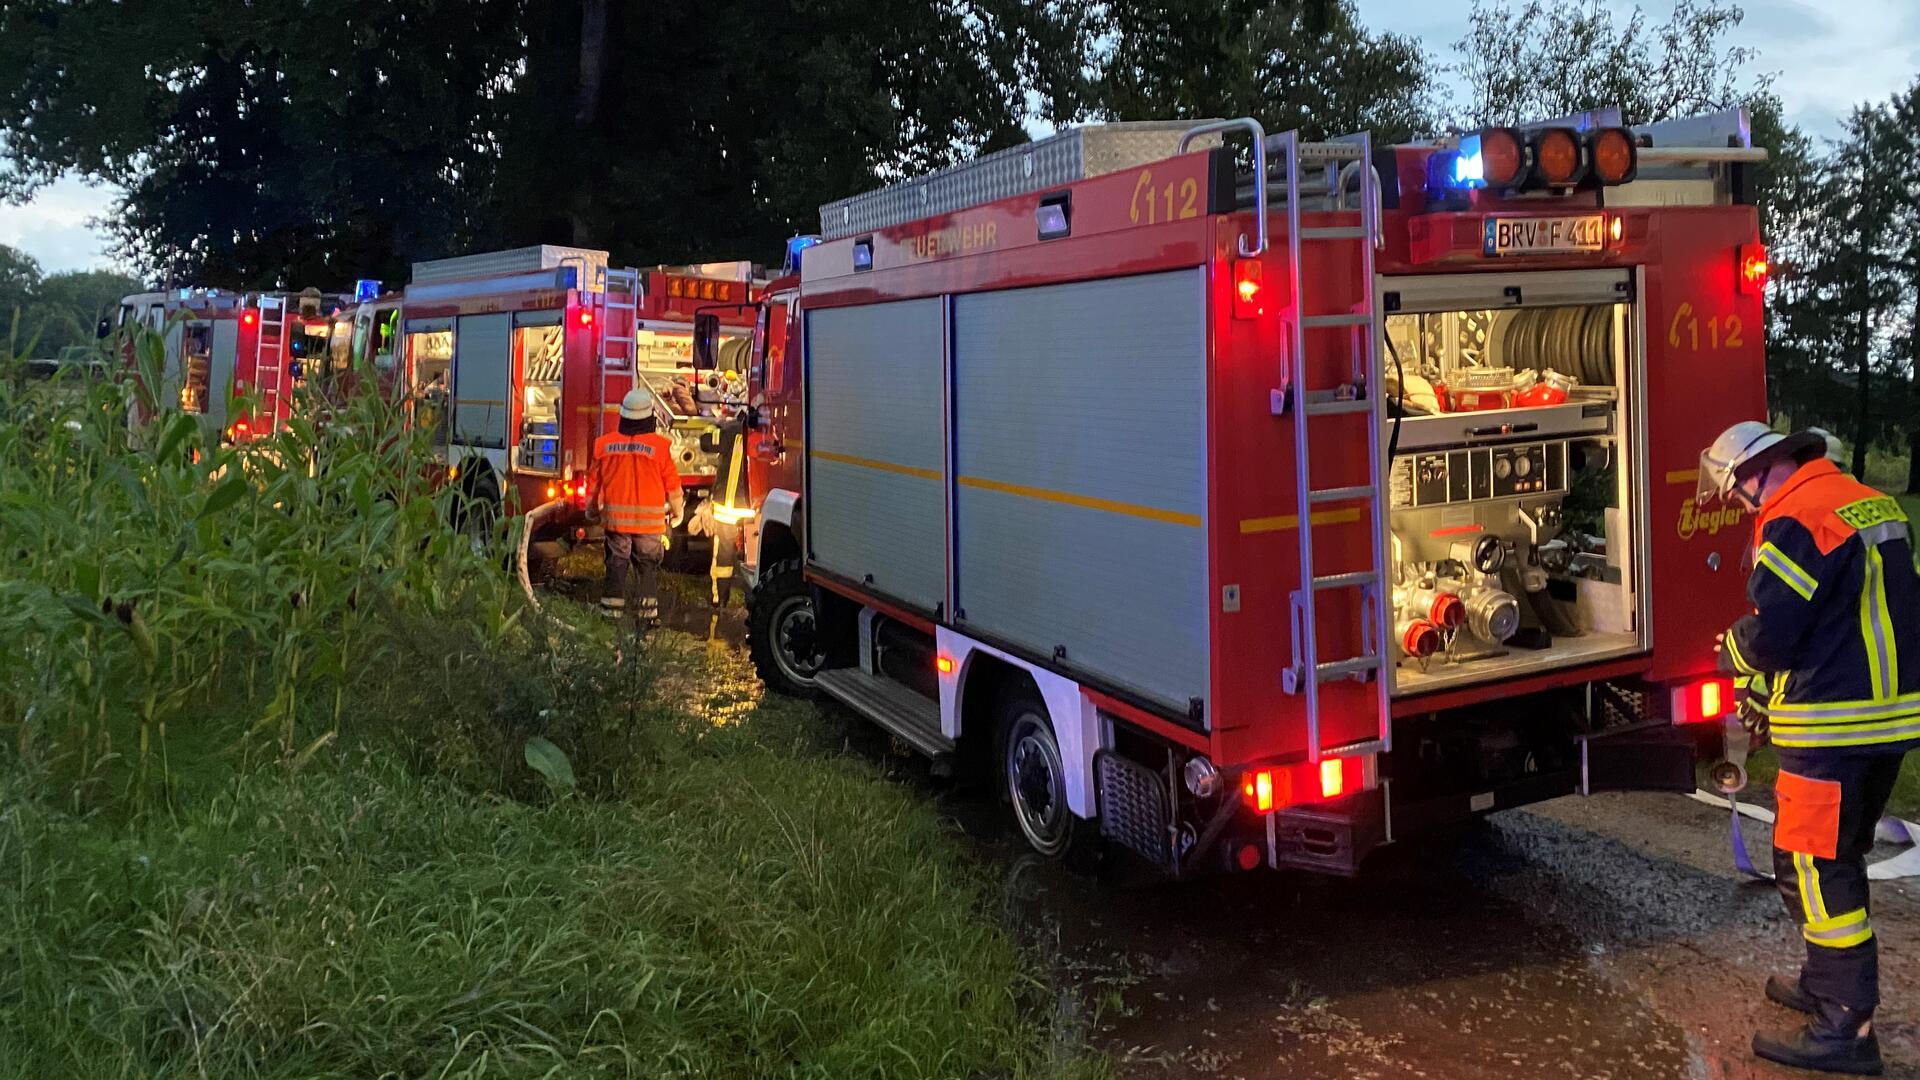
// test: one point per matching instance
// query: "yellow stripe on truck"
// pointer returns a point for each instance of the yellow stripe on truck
(877, 466)
(1086, 502)
(1253, 526)
(981, 483)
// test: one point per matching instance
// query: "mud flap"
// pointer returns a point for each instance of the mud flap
(1133, 808)
(1654, 758)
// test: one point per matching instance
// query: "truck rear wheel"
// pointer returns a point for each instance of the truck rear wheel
(784, 635)
(1033, 781)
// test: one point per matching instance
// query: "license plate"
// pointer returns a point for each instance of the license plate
(1544, 235)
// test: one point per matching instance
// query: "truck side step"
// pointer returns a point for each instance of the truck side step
(911, 717)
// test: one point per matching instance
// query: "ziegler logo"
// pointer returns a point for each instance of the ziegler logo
(1694, 520)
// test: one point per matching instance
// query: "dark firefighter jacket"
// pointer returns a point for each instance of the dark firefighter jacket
(1835, 629)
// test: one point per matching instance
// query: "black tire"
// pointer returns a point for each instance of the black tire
(784, 633)
(1033, 783)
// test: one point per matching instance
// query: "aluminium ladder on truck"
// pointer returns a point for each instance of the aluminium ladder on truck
(1359, 396)
(270, 359)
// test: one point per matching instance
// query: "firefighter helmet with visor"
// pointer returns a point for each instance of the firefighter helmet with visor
(1742, 453)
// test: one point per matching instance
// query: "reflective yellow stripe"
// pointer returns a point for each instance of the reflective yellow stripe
(1740, 663)
(1839, 932)
(1855, 735)
(876, 465)
(1848, 712)
(1254, 526)
(1683, 476)
(1876, 629)
(1808, 879)
(1088, 502)
(1788, 571)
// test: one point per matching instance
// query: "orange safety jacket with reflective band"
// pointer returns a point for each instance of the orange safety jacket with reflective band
(1835, 629)
(634, 477)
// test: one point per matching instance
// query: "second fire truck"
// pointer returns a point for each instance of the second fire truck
(1249, 517)
(517, 360)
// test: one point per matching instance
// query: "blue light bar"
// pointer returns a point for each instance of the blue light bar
(365, 289)
(863, 254)
(794, 248)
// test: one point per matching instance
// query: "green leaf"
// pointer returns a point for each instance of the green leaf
(177, 432)
(86, 579)
(549, 761)
(224, 496)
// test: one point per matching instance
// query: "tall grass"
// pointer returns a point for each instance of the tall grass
(269, 804)
(153, 574)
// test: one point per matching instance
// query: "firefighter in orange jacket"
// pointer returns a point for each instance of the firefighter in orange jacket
(1835, 637)
(636, 487)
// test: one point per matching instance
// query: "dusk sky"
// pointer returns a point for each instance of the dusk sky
(1826, 57)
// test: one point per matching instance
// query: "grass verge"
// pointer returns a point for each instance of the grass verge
(752, 906)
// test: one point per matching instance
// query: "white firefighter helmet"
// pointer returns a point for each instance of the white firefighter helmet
(1742, 452)
(637, 405)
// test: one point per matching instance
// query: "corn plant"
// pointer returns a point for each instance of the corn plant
(153, 575)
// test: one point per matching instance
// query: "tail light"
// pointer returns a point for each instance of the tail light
(1276, 787)
(1753, 269)
(1703, 701)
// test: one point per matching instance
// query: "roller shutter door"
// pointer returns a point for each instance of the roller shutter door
(1080, 456)
(876, 459)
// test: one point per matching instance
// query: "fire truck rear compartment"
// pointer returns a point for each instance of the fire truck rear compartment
(1512, 482)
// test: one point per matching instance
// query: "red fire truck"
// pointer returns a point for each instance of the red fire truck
(1260, 517)
(221, 345)
(517, 360)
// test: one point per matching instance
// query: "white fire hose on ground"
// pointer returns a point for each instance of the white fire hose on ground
(1888, 830)
(526, 539)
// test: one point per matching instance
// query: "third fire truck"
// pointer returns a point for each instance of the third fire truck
(1260, 508)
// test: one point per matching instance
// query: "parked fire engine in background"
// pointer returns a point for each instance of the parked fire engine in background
(518, 360)
(1261, 517)
(222, 349)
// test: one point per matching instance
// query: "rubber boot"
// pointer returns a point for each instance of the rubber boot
(1804, 1050)
(1784, 991)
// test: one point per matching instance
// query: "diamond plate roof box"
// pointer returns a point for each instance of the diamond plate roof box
(1073, 154)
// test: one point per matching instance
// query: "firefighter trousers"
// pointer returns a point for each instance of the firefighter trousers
(1828, 805)
(648, 550)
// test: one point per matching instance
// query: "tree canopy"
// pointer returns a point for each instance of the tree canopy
(270, 143)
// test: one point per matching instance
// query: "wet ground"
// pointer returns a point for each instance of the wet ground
(1600, 939)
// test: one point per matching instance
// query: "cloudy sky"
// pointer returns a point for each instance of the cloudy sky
(1827, 56)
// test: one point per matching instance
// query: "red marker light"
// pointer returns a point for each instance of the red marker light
(248, 318)
(586, 317)
(1753, 268)
(944, 664)
(1248, 284)
(1703, 701)
(1712, 700)
(1332, 780)
(1259, 790)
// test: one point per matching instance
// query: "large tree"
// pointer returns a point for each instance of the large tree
(261, 142)
(1292, 64)
(268, 142)
(1542, 58)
